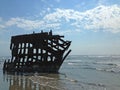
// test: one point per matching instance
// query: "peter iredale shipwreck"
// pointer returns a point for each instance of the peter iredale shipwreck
(37, 52)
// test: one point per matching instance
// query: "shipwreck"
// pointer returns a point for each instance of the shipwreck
(37, 52)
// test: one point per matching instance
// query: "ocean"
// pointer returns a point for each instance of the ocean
(78, 72)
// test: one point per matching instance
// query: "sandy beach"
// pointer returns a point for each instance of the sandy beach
(78, 72)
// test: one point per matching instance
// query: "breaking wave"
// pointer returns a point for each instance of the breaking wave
(99, 63)
(69, 84)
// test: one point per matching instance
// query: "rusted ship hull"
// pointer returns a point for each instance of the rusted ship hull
(40, 52)
(46, 67)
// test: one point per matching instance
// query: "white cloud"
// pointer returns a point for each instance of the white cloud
(67, 14)
(2, 26)
(23, 23)
(63, 32)
(106, 18)
(30, 24)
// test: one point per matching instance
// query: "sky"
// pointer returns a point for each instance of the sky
(93, 26)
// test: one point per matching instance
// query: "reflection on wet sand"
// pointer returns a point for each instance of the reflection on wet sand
(33, 82)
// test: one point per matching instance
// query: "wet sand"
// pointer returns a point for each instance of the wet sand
(76, 73)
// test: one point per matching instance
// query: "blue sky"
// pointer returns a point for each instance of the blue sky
(93, 26)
